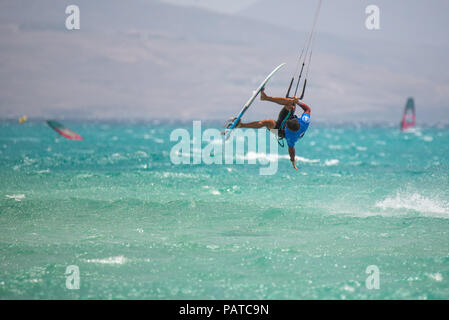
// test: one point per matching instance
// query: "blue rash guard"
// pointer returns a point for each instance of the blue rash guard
(293, 136)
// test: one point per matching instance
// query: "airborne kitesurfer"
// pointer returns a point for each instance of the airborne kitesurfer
(288, 125)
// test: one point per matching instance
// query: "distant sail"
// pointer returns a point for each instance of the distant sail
(63, 131)
(409, 117)
(23, 119)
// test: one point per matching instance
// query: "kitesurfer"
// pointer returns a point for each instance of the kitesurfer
(288, 125)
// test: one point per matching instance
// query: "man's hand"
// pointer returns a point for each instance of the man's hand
(294, 165)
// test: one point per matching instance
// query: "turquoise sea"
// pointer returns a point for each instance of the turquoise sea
(138, 226)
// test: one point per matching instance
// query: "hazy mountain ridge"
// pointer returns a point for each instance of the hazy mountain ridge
(146, 59)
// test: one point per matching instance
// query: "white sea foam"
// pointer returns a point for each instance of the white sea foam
(216, 142)
(181, 175)
(215, 192)
(336, 175)
(177, 175)
(84, 175)
(274, 157)
(416, 202)
(414, 130)
(261, 156)
(150, 137)
(117, 155)
(110, 260)
(305, 160)
(436, 276)
(332, 162)
(17, 197)
(142, 154)
(43, 171)
(348, 288)
(28, 161)
(251, 155)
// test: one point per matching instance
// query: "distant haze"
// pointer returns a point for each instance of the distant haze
(149, 59)
(228, 6)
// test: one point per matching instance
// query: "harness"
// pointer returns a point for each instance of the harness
(282, 129)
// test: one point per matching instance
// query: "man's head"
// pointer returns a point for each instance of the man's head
(293, 125)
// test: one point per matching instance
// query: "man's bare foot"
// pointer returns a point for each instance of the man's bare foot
(263, 96)
(231, 121)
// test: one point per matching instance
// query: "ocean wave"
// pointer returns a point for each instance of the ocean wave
(43, 171)
(141, 154)
(335, 147)
(29, 161)
(415, 202)
(414, 130)
(84, 176)
(332, 162)
(274, 157)
(110, 260)
(435, 276)
(305, 160)
(251, 155)
(17, 197)
(150, 137)
(181, 175)
(213, 191)
(261, 156)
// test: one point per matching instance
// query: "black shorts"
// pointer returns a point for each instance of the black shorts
(284, 112)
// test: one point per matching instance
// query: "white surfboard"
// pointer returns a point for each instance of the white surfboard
(231, 125)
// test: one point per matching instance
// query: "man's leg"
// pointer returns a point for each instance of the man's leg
(268, 123)
(279, 100)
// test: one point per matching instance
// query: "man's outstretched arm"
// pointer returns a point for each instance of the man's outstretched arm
(304, 107)
(291, 152)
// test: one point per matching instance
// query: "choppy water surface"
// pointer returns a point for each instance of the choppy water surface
(140, 227)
